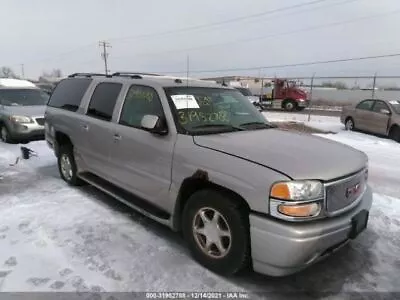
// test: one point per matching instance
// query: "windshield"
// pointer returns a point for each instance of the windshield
(23, 97)
(244, 91)
(395, 105)
(211, 110)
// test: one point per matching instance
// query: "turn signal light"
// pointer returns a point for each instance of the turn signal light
(303, 210)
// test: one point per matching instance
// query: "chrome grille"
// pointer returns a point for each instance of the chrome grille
(344, 192)
(40, 121)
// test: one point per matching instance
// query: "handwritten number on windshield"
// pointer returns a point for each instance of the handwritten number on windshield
(203, 117)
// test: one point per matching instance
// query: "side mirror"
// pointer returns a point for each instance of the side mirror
(154, 124)
(385, 111)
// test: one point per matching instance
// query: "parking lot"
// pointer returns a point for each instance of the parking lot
(57, 238)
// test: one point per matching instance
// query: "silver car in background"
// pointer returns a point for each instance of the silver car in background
(22, 107)
(374, 115)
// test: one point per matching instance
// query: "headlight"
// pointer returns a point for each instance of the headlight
(297, 190)
(296, 200)
(21, 119)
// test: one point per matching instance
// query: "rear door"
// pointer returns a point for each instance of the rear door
(98, 129)
(363, 114)
(380, 118)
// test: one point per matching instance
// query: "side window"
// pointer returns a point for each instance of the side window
(103, 101)
(68, 93)
(140, 101)
(365, 105)
(380, 105)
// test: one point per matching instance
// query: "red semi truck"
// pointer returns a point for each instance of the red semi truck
(284, 94)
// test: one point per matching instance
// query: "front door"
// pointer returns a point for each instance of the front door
(99, 129)
(142, 160)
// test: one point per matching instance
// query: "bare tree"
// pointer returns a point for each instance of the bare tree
(7, 72)
(57, 73)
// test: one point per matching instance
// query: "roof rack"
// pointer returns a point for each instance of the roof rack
(89, 75)
(135, 75)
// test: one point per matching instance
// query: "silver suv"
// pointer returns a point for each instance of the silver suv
(202, 160)
(22, 107)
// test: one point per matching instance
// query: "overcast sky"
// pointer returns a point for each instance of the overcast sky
(46, 34)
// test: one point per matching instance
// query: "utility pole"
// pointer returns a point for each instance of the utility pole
(22, 71)
(104, 54)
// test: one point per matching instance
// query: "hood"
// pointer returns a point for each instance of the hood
(299, 156)
(302, 93)
(29, 111)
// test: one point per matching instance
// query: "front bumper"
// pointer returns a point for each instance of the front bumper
(282, 248)
(26, 131)
(304, 103)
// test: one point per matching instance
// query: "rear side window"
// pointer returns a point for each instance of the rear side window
(365, 105)
(103, 100)
(68, 93)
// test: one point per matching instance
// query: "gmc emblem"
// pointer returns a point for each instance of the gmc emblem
(351, 191)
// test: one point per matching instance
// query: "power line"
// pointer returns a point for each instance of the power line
(289, 65)
(214, 24)
(191, 28)
(311, 28)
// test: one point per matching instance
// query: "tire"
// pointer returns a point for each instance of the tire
(65, 157)
(289, 105)
(237, 255)
(349, 124)
(395, 134)
(5, 136)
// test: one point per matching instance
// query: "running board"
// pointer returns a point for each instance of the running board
(142, 206)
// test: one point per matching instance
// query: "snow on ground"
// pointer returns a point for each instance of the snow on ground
(325, 123)
(57, 238)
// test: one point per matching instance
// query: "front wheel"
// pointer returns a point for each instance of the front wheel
(217, 232)
(290, 105)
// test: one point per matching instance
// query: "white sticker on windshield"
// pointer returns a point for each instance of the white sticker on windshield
(185, 101)
(394, 102)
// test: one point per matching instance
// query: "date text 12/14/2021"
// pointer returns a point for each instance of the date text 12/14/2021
(197, 295)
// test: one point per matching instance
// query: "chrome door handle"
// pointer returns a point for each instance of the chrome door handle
(85, 127)
(117, 137)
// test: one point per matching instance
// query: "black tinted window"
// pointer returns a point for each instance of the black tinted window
(68, 93)
(380, 105)
(366, 105)
(103, 100)
(140, 101)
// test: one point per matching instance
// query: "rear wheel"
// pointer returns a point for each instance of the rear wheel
(395, 133)
(216, 231)
(5, 134)
(67, 166)
(349, 124)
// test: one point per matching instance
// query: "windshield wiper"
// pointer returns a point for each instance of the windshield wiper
(222, 126)
(259, 124)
